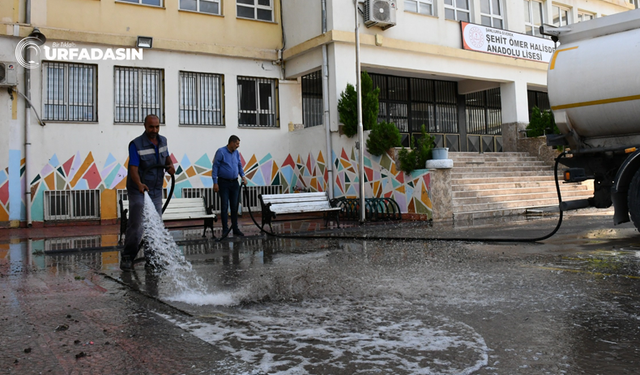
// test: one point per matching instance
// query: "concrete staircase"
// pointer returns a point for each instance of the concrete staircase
(506, 183)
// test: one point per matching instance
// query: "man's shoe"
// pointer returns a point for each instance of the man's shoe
(126, 264)
(238, 233)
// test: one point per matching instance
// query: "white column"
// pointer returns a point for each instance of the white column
(515, 112)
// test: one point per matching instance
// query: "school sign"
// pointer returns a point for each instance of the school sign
(506, 43)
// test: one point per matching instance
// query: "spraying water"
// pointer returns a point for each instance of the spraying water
(171, 266)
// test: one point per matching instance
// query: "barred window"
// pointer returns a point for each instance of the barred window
(261, 10)
(70, 92)
(138, 93)
(419, 6)
(484, 112)
(312, 99)
(457, 10)
(257, 102)
(201, 6)
(157, 3)
(201, 99)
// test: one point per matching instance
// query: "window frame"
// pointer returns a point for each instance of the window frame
(417, 3)
(492, 15)
(141, 2)
(535, 29)
(581, 14)
(560, 9)
(312, 99)
(197, 10)
(139, 93)
(216, 94)
(66, 102)
(259, 111)
(457, 10)
(256, 8)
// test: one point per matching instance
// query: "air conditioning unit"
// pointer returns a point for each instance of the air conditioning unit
(380, 13)
(8, 74)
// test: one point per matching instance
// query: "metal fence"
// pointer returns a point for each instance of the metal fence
(71, 205)
(249, 200)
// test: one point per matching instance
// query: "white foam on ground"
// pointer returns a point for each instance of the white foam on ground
(180, 280)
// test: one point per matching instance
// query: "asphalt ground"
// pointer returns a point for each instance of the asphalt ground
(74, 312)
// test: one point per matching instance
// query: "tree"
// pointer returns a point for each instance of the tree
(384, 136)
(348, 106)
(541, 123)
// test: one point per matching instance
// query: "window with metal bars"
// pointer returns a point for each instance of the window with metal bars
(138, 93)
(257, 102)
(201, 99)
(261, 10)
(484, 112)
(71, 204)
(457, 10)
(69, 92)
(411, 102)
(538, 99)
(312, 99)
(201, 6)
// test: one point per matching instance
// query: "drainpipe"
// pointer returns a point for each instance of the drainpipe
(325, 103)
(27, 122)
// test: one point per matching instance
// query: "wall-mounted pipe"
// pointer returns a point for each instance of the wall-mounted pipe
(325, 103)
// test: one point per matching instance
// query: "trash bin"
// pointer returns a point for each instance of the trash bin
(440, 153)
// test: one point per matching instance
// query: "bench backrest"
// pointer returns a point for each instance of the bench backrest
(295, 198)
(181, 208)
(298, 202)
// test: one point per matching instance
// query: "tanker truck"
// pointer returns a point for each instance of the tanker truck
(593, 82)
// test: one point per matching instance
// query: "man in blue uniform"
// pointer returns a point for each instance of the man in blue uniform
(146, 153)
(225, 171)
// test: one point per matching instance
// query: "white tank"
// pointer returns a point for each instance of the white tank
(594, 81)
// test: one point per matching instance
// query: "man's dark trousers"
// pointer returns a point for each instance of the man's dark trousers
(229, 191)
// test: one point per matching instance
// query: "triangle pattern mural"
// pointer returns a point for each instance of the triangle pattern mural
(295, 173)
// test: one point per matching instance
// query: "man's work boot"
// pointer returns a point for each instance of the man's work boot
(238, 233)
(126, 264)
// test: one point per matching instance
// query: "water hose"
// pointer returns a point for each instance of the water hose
(469, 239)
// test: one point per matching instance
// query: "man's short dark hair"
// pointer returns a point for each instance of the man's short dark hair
(149, 116)
(233, 139)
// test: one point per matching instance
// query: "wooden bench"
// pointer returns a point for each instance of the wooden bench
(298, 203)
(178, 209)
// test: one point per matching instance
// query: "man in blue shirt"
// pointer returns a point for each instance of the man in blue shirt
(148, 159)
(225, 171)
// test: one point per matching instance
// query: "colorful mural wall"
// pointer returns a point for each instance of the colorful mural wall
(308, 172)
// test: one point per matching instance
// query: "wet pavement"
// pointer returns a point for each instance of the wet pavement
(339, 304)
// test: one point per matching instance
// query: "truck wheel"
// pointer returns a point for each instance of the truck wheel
(633, 199)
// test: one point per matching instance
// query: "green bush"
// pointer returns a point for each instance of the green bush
(348, 106)
(541, 123)
(384, 136)
(417, 156)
